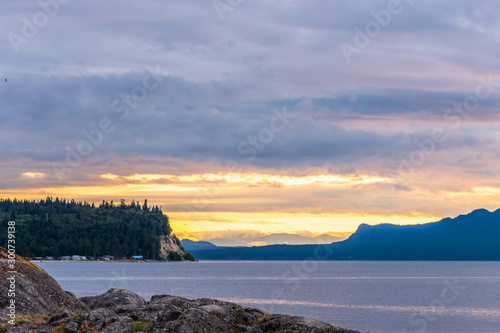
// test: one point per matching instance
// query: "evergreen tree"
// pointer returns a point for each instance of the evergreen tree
(58, 227)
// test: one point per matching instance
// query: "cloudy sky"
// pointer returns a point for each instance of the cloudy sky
(302, 117)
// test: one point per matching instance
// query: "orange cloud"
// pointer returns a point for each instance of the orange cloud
(33, 174)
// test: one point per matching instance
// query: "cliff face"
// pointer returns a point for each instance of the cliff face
(169, 244)
(35, 290)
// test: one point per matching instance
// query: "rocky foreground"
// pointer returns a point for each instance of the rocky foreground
(42, 306)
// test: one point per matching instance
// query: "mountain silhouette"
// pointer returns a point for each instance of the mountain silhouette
(474, 236)
(196, 245)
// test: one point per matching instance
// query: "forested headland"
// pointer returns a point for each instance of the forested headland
(57, 227)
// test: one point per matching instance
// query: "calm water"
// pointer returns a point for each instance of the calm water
(375, 296)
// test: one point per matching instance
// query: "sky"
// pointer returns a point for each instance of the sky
(248, 118)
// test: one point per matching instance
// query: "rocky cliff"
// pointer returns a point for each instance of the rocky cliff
(170, 244)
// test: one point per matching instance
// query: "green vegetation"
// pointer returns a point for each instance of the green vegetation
(174, 256)
(188, 256)
(140, 326)
(61, 228)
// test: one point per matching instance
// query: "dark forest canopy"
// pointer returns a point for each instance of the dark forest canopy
(57, 227)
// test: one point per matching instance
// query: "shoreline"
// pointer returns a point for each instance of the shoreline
(120, 310)
(95, 261)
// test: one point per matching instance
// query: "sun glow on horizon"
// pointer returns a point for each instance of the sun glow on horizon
(267, 202)
(486, 190)
(254, 178)
(33, 174)
(286, 222)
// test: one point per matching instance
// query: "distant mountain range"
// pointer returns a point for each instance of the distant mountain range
(474, 236)
(262, 240)
(245, 238)
(190, 245)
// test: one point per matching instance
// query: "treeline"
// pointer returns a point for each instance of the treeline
(56, 227)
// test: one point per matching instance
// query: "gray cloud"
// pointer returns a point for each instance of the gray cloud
(222, 81)
(204, 120)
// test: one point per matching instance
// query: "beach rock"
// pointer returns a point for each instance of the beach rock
(114, 298)
(71, 327)
(36, 291)
(166, 313)
(62, 316)
(43, 329)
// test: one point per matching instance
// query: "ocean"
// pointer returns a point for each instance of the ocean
(374, 296)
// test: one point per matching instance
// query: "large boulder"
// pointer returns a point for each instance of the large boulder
(166, 313)
(36, 291)
(114, 298)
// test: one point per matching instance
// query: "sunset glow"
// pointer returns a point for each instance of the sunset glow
(274, 128)
(271, 203)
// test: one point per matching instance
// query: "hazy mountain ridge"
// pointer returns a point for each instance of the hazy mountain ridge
(466, 237)
(245, 239)
(190, 245)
